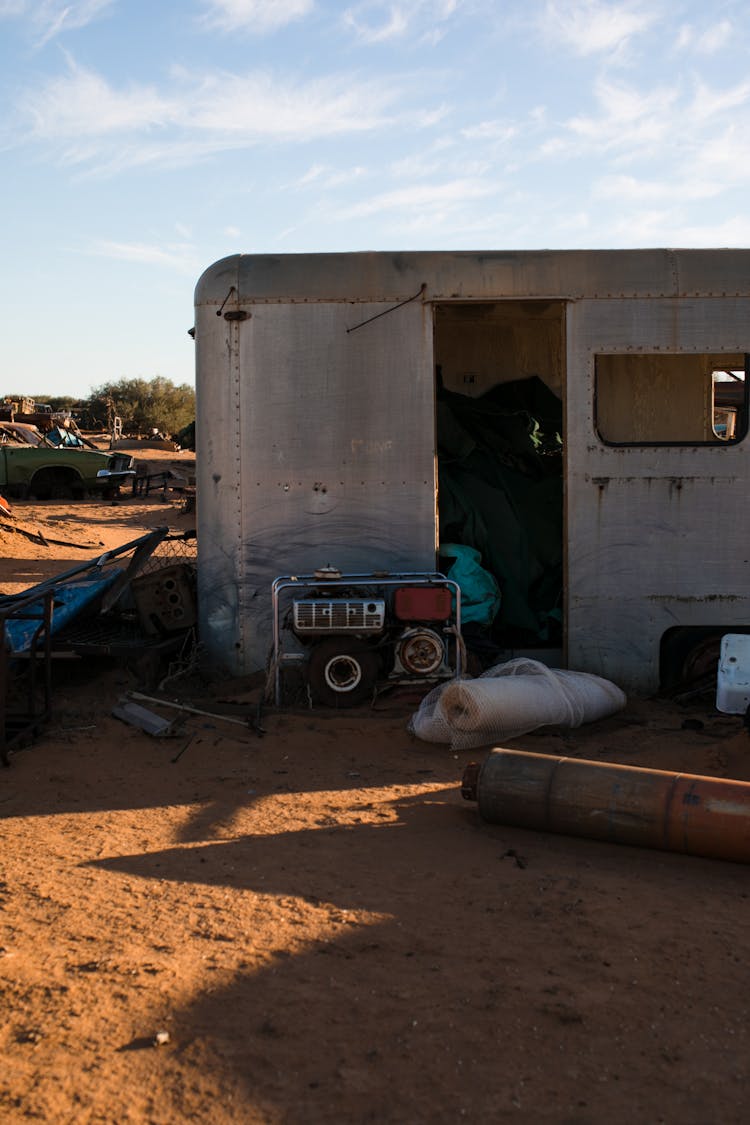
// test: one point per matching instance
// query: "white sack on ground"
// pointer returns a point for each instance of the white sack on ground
(513, 699)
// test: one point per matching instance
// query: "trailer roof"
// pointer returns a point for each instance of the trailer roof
(476, 275)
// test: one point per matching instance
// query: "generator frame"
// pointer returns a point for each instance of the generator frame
(285, 583)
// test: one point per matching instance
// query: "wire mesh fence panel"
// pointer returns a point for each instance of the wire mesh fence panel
(177, 548)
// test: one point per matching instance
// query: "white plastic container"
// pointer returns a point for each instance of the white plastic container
(733, 681)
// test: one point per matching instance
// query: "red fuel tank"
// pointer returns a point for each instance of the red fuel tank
(422, 603)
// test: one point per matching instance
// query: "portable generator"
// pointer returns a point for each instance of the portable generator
(353, 634)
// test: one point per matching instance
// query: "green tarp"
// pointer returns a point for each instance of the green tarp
(500, 480)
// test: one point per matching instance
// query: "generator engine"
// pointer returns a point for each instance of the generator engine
(359, 632)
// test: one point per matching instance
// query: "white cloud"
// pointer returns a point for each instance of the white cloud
(708, 103)
(707, 42)
(312, 175)
(733, 231)
(257, 16)
(591, 27)
(90, 121)
(377, 21)
(392, 24)
(664, 124)
(685, 37)
(717, 156)
(495, 131)
(421, 198)
(260, 106)
(666, 191)
(629, 120)
(83, 104)
(715, 38)
(325, 177)
(50, 18)
(417, 166)
(456, 224)
(180, 256)
(670, 226)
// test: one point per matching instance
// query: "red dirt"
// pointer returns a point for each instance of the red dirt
(327, 932)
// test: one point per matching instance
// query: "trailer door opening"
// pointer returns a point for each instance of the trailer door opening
(499, 425)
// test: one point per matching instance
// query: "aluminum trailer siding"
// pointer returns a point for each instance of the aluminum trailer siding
(316, 432)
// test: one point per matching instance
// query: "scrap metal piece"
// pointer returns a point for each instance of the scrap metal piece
(142, 547)
(165, 600)
(679, 812)
(249, 723)
(136, 716)
(21, 721)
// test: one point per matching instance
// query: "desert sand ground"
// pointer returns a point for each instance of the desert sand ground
(318, 928)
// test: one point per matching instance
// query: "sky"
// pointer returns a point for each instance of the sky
(142, 140)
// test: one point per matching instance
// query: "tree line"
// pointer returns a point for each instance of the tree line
(143, 405)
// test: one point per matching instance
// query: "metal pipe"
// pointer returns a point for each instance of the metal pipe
(708, 816)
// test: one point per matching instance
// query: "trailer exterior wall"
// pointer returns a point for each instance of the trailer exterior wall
(328, 457)
(273, 390)
(657, 536)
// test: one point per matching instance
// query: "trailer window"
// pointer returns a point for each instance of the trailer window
(659, 399)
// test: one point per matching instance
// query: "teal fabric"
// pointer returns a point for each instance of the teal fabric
(480, 593)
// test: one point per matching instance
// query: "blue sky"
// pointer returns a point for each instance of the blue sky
(143, 140)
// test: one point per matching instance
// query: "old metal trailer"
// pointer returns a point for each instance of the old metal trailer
(579, 416)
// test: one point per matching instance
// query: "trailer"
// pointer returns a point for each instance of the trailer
(578, 418)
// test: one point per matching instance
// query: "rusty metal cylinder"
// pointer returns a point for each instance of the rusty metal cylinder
(707, 816)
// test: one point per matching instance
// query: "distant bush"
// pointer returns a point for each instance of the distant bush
(142, 404)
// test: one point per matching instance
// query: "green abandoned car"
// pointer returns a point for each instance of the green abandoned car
(47, 472)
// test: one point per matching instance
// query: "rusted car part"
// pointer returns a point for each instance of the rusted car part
(144, 591)
(705, 816)
(88, 610)
(20, 433)
(25, 683)
(165, 599)
(142, 549)
(87, 589)
(40, 414)
(71, 438)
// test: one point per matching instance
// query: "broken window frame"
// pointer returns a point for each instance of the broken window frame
(720, 362)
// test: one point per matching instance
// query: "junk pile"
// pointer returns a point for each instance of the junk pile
(136, 602)
(512, 699)
(500, 465)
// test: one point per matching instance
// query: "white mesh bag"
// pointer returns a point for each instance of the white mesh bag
(512, 699)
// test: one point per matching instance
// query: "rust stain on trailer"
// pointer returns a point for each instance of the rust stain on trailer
(694, 599)
(371, 445)
(652, 479)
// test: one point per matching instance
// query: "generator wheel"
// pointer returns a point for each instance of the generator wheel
(342, 672)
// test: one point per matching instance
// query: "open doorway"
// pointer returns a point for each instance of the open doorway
(500, 372)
